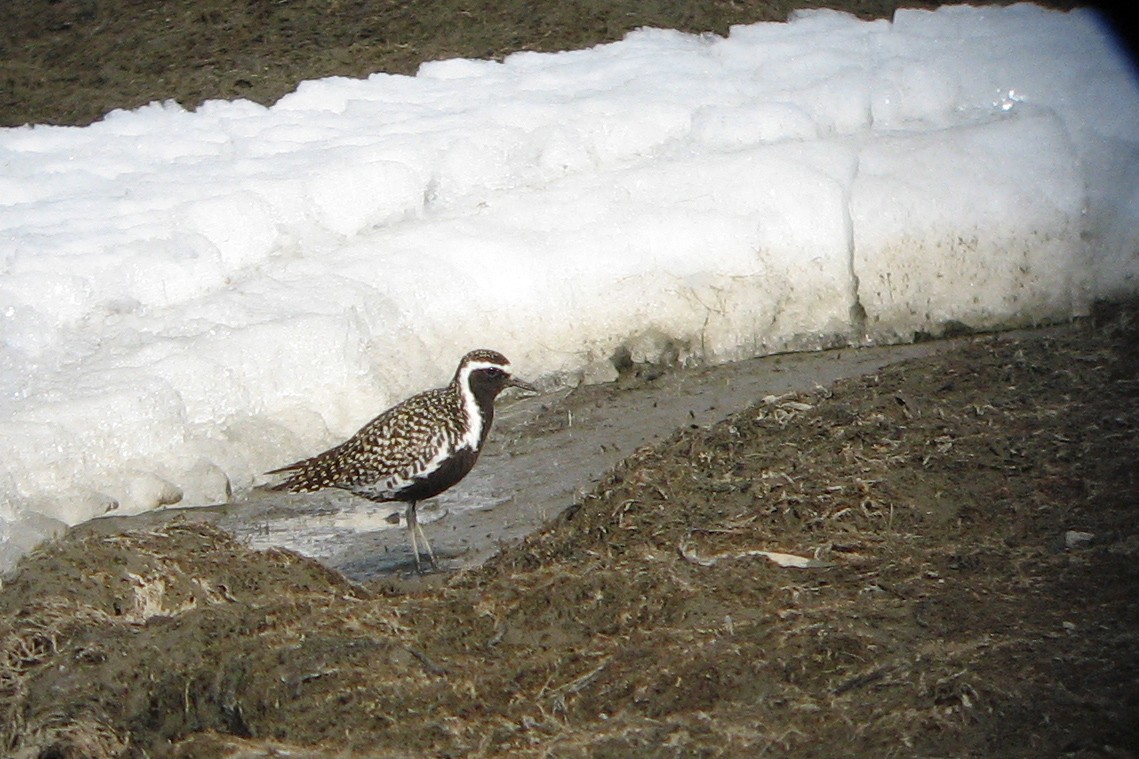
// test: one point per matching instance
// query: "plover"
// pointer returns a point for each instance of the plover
(416, 449)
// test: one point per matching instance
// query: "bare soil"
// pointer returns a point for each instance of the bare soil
(967, 523)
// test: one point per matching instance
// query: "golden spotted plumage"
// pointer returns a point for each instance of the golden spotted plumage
(416, 449)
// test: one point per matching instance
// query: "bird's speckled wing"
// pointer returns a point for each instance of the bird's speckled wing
(388, 454)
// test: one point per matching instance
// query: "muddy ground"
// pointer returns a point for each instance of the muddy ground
(969, 520)
(546, 451)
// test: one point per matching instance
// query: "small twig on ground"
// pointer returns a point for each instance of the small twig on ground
(782, 559)
(430, 666)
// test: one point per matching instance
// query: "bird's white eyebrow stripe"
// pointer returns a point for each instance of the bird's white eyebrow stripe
(476, 365)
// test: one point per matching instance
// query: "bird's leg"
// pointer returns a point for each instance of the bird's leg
(430, 553)
(413, 527)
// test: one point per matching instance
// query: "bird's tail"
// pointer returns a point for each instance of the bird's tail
(304, 476)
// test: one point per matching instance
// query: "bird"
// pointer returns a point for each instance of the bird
(416, 449)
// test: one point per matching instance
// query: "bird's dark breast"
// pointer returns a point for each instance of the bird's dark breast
(447, 474)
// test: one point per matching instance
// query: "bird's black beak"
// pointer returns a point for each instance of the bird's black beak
(515, 382)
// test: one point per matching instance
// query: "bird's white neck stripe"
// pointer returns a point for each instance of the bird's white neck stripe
(471, 404)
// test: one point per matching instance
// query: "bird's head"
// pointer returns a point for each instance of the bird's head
(487, 373)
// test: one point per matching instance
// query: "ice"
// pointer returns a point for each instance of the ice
(996, 243)
(189, 299)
